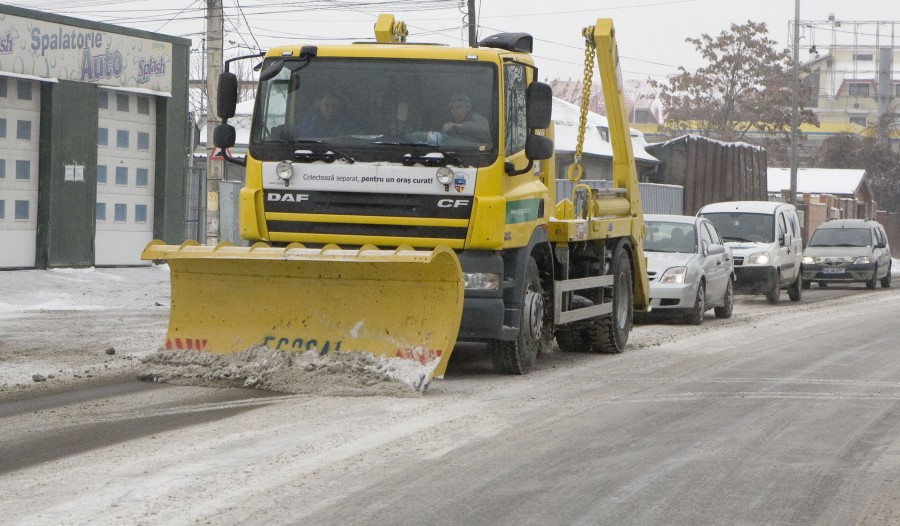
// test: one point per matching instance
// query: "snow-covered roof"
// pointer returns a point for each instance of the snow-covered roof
(566, 116)
(817, 180)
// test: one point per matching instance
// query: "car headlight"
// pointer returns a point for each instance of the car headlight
(809, 260)
(758, 258)
(481, 280)
(284, 170)
(674, 275)
(864, 260)
(444, 175)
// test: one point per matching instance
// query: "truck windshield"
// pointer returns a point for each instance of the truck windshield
(377, 109)
(744, 227)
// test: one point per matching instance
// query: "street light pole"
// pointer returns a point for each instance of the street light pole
(795, 101)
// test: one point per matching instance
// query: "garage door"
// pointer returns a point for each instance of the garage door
(126, 154)
(20, 119)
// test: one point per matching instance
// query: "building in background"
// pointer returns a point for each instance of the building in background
(93, 122)
(853, 75)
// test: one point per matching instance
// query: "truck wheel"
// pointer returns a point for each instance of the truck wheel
(795, 291)
(696, 314)
(886, 280)
(572, 337)
(517, 357)
(774, 292)
(725, 311)
(609, 334)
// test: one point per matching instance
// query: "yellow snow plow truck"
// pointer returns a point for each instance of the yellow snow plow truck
(402, 199)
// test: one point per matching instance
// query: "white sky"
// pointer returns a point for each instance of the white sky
(651, 33)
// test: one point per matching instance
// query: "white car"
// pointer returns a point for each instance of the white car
(689, 267)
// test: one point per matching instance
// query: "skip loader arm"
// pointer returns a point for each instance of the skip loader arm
(624, 172)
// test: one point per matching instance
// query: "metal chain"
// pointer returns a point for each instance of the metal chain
(590, 53)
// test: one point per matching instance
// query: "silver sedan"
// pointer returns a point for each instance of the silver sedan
(689, 267)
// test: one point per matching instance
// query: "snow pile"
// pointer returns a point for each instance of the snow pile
(338, 374)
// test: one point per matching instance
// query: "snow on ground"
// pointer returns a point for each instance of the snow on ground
(69, 326)
(74, 326)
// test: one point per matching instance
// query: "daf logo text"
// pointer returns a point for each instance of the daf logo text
(287, 198)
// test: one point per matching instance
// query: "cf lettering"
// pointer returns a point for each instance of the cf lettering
(452, 203)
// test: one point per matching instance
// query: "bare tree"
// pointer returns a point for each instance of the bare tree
(743, 92)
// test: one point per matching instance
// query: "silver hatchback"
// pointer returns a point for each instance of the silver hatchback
(689, 267)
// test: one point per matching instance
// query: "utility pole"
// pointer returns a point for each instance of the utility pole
(215, 169)
(473, 24)
(795, 102)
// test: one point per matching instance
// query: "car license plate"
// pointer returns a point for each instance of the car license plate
(830, 270)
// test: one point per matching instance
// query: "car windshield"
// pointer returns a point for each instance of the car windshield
(375, 109)
(743, 226)
(841, 237)
(665, 236)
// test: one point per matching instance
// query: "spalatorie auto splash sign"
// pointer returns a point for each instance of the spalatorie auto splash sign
(50, 50)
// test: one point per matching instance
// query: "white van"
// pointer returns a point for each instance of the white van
(765, 238)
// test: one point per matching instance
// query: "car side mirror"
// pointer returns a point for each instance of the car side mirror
(881, 245)
(714, 250)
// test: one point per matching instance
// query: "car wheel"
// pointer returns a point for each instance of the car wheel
(724, 312)
(823, 285)
(774, 292)
(795, 291)
(886, 280)
(695, 315)
(870, 283)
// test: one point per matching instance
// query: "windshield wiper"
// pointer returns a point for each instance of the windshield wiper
(326, 153)
(436, 157)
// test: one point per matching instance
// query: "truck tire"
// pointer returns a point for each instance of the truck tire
(573, 337)
(517, 357)
(795, 291)
(774, 292)
(609, 334)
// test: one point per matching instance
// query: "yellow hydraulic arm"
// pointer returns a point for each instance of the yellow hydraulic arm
(624, 173)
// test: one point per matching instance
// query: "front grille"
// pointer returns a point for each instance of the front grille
(349, 204)
(738, 261)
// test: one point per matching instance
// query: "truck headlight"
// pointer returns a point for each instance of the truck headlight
(675, 275)
(758, 258)
(864, 260)
(481, 280)
(807, 260)
(444, 176)
(284, 170)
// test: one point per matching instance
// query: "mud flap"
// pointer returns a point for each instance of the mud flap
(401, 303)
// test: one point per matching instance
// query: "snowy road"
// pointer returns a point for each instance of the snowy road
(784, 414)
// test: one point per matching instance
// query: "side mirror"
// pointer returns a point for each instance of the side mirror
(227, 95)
(224, 136)
(714, 250)
(538, 148)
(539, 105)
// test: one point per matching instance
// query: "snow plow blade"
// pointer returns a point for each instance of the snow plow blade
(399, 303)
